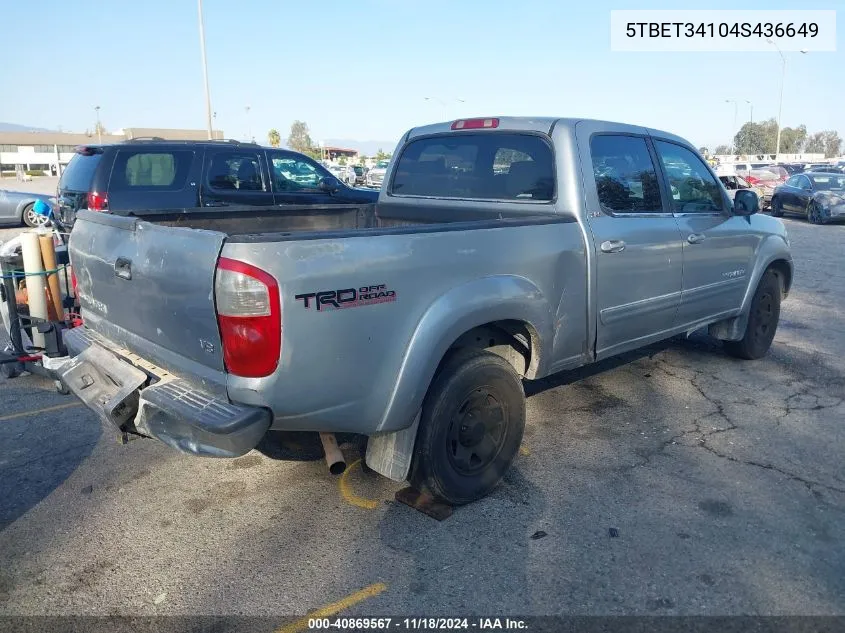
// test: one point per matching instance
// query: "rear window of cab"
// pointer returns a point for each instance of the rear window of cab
(477, 166)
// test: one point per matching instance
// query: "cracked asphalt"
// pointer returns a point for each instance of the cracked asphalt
(722, 479)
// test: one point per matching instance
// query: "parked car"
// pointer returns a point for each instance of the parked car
(360, 174)
(375, 177)
(733, 182)
(418, 336)
(16, 208)
(827, 169)
(144, 177)
(793, 168)
(818, 196)
(766, 181)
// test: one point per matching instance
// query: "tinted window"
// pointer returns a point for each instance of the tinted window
(694, 189)
(492, 166)
(626, 180)
(155, 170)
(793, 182)
(826, 183)
(235, 171)
(79, 173)
(294, 173)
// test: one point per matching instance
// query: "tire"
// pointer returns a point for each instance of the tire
(777, 208)
(763, 320)
(471, 427)
(11, 370)
(814, 213)
(32, 219)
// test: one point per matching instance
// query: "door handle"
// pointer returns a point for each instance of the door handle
(216, 203)
(696, 238)
(123, 268)
(612, 246)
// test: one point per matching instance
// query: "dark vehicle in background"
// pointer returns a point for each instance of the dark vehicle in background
(793, 168)
(360, 174)
(818, 196)
(827, 169)
(153, 176)
(17, 207)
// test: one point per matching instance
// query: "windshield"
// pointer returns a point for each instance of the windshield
(79, 174)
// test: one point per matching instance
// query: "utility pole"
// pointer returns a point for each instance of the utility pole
(99, 131)
(205, 73)
(249, 136)
(733, 132)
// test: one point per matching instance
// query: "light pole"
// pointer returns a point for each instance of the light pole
(99, 132)
(443, 104)
(733, 132)
(205, 73)
(249, 136)
(782, 80)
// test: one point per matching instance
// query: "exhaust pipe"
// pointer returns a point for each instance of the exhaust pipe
(334, 458)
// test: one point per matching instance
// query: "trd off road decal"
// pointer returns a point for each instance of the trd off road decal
(346, 298)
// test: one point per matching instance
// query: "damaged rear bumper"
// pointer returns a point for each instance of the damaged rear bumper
(142, 399)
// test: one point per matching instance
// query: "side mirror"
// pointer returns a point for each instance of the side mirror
(746, 202)
(329, 184)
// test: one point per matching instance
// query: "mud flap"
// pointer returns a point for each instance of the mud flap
(106, 384)
(389, 454)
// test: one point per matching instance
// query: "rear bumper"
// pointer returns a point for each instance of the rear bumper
(132, 396)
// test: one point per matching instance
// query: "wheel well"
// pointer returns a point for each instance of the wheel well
(515, 341)
(784, 272)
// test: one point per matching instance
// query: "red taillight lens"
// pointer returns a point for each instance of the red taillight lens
(249, 315)
(751, 180)
(475, 124)
(97, 201)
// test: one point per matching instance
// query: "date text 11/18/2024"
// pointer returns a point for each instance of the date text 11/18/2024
(416, 624)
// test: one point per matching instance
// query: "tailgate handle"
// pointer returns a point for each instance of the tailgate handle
(123, 268)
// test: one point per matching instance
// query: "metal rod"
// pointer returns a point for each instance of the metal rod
(205, 73)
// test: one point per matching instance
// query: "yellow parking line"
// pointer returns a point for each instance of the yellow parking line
(524, 450)
(349, 496)
(23, 414)
(334, 608)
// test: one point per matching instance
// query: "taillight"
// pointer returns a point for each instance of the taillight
(751, 180)
(249, 315)
(475, 124)
(97, 201)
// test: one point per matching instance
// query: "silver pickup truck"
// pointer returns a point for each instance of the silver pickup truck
(500, 249)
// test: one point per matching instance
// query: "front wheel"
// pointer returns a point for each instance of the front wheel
(762, 320)
(777, 208)
(472, 422)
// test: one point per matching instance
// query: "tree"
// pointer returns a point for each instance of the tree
(723, 149)
(757, 138)
(826, 142)
(274, 138)
(703, 151)
(382, 155)
(342, 160)
(299, 139)
(792, 139)
(99, 128)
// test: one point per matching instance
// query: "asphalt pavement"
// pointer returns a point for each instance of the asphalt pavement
(673, 480)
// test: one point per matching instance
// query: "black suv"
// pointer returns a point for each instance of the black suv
(157, 176)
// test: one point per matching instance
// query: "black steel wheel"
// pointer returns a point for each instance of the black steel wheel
(762, 320)
(471, 427)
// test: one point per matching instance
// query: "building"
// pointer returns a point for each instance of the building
(47, 153)
(334, 153)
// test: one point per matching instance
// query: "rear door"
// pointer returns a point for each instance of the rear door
(235, 176)
(76, 181)
(718, 247)
(637, 241)
(149, 288)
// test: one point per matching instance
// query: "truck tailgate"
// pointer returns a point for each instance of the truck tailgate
(149, 288)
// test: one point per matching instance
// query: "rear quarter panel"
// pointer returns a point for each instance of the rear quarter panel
(367, 368)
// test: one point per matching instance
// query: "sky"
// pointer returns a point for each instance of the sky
(362, 69)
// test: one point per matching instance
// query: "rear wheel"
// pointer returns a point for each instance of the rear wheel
(777, 208)
(31, 218)
(471, 427)
(762, 320)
